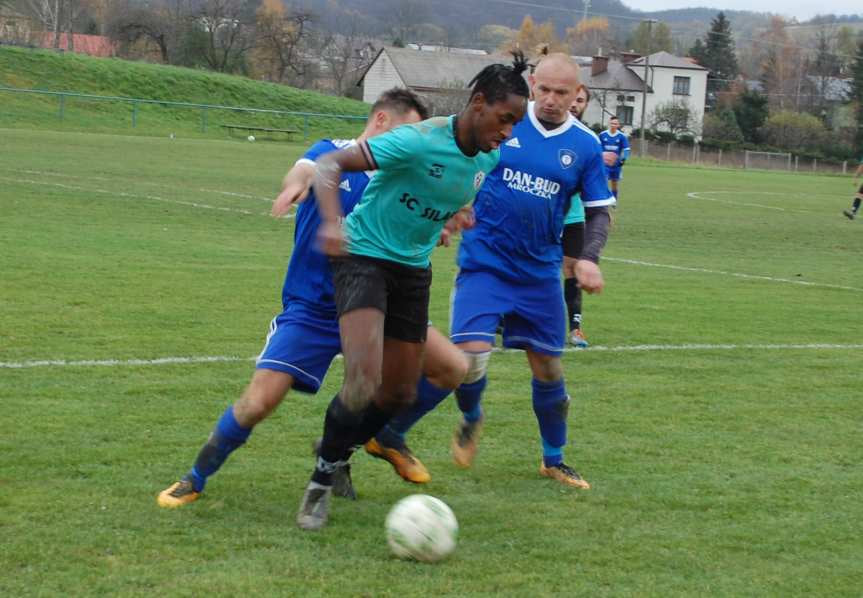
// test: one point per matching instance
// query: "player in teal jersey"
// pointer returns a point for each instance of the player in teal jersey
(381, 267)
(573, 242)
(855, 207)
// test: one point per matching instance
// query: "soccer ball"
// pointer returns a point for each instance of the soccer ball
(251, 137)
(421, 527)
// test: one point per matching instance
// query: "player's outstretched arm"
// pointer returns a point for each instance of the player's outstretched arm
(328, 175)
(295, 188)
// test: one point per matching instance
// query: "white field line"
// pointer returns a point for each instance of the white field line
(123, 194)
(700, 194)
(594, 348)
(151, 183)
(734, 274)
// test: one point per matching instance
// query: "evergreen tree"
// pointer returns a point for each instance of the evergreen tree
(750, 111)
(698, 51)
(719, 55)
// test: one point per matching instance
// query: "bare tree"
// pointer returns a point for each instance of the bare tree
(48, 13)
(281, 40)
(227, 37)
(343, 57)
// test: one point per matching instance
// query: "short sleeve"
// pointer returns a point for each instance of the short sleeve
(594, 184)
(320, 148)
(395, 147)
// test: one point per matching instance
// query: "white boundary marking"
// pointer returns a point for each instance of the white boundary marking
(593, 349)
(123, 194)
(734, 274)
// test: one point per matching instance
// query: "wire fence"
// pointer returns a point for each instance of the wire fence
(737, 159)
(63, 109)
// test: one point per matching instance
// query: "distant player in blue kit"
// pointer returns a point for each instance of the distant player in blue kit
(510, 265)
(855, 206)
(426, 173)
(304, 338)
(614, 140)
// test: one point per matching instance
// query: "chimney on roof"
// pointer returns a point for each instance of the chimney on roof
(599, 65)
(627, 57)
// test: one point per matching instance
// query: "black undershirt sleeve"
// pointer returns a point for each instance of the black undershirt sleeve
(596, 223)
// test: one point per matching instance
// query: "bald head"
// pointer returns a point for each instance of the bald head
(557, 63)
(554, 84)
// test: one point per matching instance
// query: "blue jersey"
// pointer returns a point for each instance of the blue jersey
(617, 143)
(309, 278)
(521, 206)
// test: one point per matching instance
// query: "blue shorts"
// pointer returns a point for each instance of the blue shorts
(614, 173)
(302, 342)
(533, 314)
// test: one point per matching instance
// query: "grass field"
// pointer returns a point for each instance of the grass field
(717, 414)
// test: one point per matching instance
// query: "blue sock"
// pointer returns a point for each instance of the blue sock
(469, 396)
(550, 404)
(428, 397)
(227, 437)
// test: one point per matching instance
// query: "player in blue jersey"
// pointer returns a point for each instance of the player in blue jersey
(614, 140)
(510, 265)
(573, 242)
(381, 267)
(304, 338)
(855, 207)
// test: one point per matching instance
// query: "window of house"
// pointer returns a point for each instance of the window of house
(681, 86)
(625, 113)
(621, 98)
(630, 98)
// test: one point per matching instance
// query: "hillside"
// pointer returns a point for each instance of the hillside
(50, 71)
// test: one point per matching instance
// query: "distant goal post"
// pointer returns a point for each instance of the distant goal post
(767, 160)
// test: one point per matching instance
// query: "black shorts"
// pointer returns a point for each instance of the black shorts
(400, 292)
(573, 239)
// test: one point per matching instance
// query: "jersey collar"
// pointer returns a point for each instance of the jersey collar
(563, 128)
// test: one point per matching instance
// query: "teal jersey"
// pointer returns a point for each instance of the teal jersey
(422, 180)
(576, 211)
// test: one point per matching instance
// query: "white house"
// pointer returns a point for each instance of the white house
(616, 84)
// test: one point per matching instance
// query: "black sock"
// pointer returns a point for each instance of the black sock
(570, 295)
(856, 205)
(374, 419)
(340, 425)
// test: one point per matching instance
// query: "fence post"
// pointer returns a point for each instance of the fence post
(668, 152)
(814, 164)
(845, 167)
(746, 159)
(134, 114)
(203, 120)
(305, 128)
(796, 163)
(62, 106)
(719, 159)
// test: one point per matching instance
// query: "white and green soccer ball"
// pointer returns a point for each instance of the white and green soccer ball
(421, 527)
(251, 137)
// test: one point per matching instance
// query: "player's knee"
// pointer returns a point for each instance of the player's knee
(256, 403)
(451, 373)
(477, 365)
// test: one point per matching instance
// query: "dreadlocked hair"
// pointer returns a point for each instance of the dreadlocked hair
(497, 81)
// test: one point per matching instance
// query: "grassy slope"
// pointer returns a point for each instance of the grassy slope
(50, 71)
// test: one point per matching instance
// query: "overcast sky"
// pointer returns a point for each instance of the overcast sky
(802, 9)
